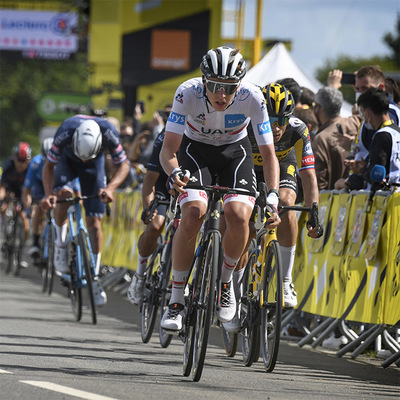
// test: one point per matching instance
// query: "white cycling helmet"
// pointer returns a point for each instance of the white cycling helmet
(223, 63)
(87, 139)
(46, 146)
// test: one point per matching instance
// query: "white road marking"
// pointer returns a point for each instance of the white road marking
(2, 371)
(66, 390)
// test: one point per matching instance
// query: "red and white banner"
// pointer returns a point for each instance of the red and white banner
(38, 30)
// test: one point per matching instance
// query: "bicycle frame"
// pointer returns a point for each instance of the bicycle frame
(76, 224)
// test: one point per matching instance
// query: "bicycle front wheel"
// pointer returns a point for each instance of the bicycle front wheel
(204, 300)
(50, 258)
(271, 310)
(165, 338)
(248, 312)
(75, 291)
(89, 272)
(151, 298)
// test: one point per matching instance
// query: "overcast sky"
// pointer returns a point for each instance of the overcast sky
(321, 29)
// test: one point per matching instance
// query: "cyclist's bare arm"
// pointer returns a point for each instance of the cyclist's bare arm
(169, 160)
(311, 194)
(271, 175)
(119, 176)
(148, 188)
(48, 180)
(26, 198)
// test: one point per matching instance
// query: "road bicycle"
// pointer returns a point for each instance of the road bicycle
(14, 237)
(205, 283)
(80, 257)
(158, 272)
(261, 302)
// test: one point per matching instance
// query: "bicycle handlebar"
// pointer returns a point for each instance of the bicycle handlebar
(77, 199)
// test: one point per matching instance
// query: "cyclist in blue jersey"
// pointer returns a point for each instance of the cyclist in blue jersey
(78, 151)
(207, 127)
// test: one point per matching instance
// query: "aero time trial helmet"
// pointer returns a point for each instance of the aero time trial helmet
(46, 146)
(280, 102)
(223, 63)
(87, 140)
(22, 151)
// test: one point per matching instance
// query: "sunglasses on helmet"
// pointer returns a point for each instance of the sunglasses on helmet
(228, 88)
(281, 121)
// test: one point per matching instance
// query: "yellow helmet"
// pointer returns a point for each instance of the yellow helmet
(279, 100)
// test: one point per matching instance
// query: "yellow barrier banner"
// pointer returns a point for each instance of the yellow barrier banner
(323, 211)
(357, 222)
(341, 224)
(375, 231)
(391, 230)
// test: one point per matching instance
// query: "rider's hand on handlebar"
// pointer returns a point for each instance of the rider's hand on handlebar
(273, 219)
(48, 202)
(177, 181)
(105, 195)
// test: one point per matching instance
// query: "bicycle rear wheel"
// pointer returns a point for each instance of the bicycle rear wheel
(165, 338)
(89, 274)
(150, 303)
(230, 342)
(204, 300)
(248, 313)
(18, 244)
(271, 311)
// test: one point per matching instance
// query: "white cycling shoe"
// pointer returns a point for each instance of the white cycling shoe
(100, 296)
(226, 308)
(61, 259)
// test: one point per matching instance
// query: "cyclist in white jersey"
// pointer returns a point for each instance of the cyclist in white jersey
(206, 131)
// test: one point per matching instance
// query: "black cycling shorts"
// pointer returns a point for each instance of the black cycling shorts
(231, 163)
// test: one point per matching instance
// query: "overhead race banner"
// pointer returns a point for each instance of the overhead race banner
(39, 34)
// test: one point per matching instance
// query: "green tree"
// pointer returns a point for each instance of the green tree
(22, 85)
(393, 42)
(351, 65)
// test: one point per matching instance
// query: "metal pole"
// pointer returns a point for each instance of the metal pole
(257, 38)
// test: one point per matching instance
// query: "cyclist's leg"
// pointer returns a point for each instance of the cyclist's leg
(239, 174)
(183, 247)
(287, 230)
(147, 244)
(62, 174)
(193, 205)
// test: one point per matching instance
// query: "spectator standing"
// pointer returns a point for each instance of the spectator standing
(333, 141)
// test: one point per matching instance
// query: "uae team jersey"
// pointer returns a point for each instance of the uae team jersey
(193, 115)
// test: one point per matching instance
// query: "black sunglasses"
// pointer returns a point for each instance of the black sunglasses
(281, 121)
(227, 87)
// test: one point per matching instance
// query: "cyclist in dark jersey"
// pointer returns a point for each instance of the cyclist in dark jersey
(154, 183)
(12, 179)
(294, 152)
(78, 152)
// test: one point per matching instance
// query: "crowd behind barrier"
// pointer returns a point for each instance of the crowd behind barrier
(352, 271)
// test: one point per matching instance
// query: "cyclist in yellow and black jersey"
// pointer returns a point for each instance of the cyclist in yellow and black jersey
(295, 155)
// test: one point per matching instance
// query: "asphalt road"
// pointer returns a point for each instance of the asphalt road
(45, 354)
